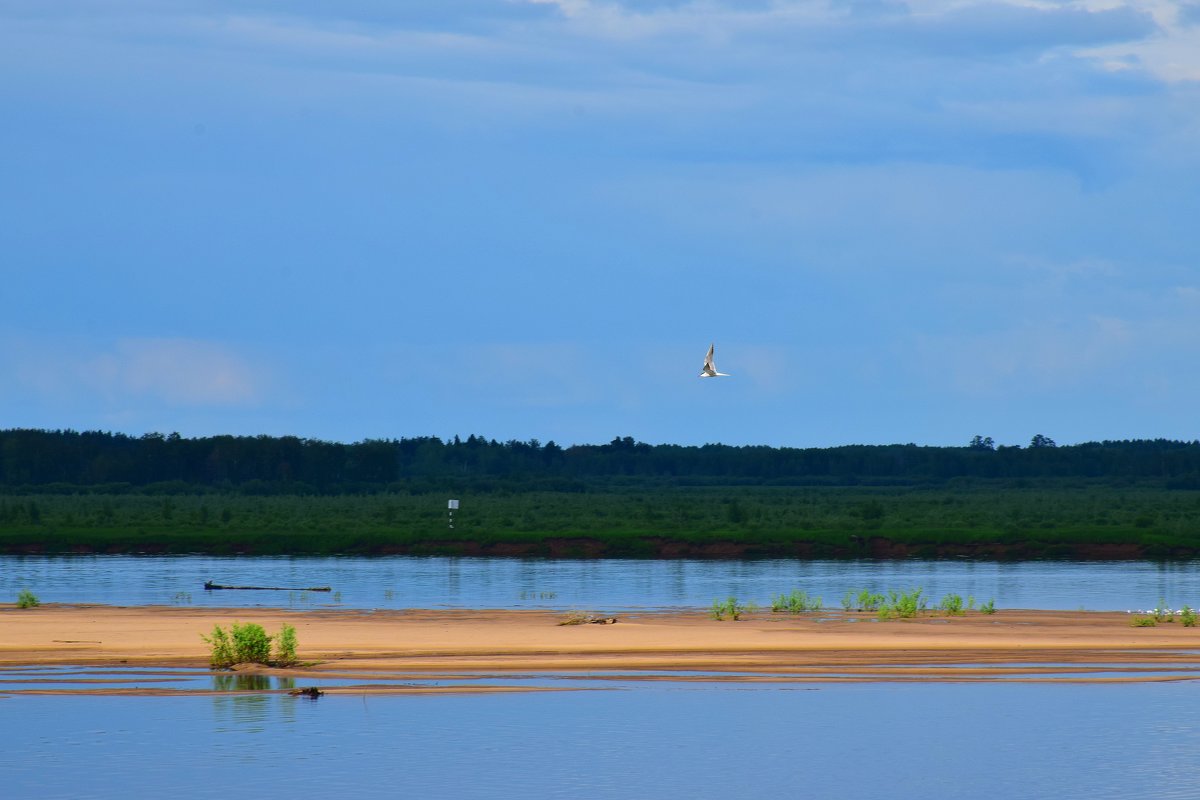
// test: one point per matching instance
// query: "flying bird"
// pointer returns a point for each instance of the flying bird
(710, 369)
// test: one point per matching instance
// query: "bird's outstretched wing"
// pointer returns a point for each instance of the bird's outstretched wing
(709, 370)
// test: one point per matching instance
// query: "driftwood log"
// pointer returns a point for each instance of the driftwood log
(588, 619)
(210, 586)
(310, 691)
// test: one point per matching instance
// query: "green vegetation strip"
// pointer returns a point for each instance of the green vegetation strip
(893, 605)
(846, 522)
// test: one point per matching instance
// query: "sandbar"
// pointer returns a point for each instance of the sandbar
(490, 647)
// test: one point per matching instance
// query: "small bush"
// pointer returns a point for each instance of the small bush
(865, 600)
(796, 602)
(242, 644)
(1188, 617)
(730, 607)
(989, 607)
(903, 605)
(251, 643)
(27, 599)
(1144, 622)
(285, 647)
(952, 605)
(221, 649)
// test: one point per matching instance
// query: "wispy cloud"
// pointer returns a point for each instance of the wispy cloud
(172, 372)
(1034, 358)
(712, 80)
(932, 199)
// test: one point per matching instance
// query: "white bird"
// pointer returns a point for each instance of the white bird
(710, 369)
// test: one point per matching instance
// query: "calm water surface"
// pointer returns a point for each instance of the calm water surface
(618, 739)
(608, 585)
(663, 741)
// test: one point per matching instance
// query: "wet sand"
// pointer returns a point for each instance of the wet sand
(492, 646)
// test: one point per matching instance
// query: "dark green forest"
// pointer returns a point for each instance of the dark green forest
(34, 461)
(69, 492)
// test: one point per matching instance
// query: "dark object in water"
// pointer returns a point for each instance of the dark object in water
(310, 691)
(588, 619)
(209, 586)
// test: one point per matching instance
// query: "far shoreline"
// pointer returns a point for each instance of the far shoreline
(873, 548)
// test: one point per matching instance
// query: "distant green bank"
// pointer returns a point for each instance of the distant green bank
(1084, 521)
(39, 461)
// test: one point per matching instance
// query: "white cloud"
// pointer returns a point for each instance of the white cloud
(185, 372)
(173, 372)
(810, 80)
(1034, 357)
(709, 40)
(1172, 55)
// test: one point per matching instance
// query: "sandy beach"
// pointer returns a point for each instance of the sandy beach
(495, 645)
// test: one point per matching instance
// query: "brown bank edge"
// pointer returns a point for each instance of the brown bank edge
(874, 547)
(492, 646)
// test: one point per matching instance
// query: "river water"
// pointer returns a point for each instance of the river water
(613, 739)
(598, 585)
(894, 741)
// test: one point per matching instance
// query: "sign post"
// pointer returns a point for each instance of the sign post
(451, 507)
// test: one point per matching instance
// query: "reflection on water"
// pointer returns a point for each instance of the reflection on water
(244, 708)
(237, 682)
(609, 585)
(248, 713)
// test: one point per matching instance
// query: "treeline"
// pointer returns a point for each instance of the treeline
(41, 461)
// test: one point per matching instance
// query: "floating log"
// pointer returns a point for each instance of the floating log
(310, 691)
(210, 586)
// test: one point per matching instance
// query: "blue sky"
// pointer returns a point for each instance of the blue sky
(899, 222)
